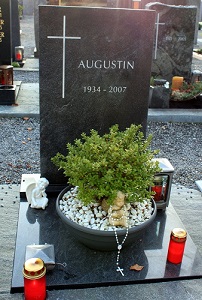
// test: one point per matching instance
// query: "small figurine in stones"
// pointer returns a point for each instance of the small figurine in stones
(36, 195)
(117, 212)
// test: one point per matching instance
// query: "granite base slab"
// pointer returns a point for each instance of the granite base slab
(9, 93)
(89, 268)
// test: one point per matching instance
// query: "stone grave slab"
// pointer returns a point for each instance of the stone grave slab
(95, 67)
(89, 268)
(174, 40)
(9, 94)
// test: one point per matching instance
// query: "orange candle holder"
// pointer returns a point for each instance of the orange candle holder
(136, 4)
(177, 82)
(176, 245)
(34, 272)
(6, 75)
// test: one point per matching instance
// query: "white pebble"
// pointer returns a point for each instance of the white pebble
(92, 221)
(92, 215)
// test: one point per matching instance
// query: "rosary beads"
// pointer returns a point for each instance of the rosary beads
(119, 245)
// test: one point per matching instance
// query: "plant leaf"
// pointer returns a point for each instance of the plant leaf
(136, 267)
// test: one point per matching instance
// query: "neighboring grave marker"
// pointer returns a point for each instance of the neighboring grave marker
(196, 3)
(15, 25)
(9, 30)
(174, 40)
(95, 66)
(5, 32)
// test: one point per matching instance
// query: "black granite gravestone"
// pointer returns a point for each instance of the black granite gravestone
(9, 30)
(196, 3)
(174, 40)
(15, 26)
(94, 72)
(5, 32)
(100, 3)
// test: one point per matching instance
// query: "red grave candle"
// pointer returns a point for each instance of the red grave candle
(18, 55)
(176, 245)
(158, 188)
(34, 279)
(2, 81)
(158, 192)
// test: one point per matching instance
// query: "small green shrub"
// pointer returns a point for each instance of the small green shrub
(199, 51)
(103, 165)
(15, 64)
(20, 10)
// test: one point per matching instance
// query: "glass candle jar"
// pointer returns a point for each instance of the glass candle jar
(19, 53)
(158, 188)
(34, 279)
(176, 245)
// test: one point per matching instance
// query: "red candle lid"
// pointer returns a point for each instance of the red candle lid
(158, 180)
(179, 235)
(34, 268)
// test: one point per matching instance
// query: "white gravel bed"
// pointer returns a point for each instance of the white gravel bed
(94, 217)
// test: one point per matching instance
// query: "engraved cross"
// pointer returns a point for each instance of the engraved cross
(157, 35)
(64, 38)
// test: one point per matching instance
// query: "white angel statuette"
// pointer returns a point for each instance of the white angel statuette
(36, 195)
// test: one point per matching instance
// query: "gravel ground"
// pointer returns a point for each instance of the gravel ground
(180, 143)
(196, 64)
(19, 152)
(26, 76)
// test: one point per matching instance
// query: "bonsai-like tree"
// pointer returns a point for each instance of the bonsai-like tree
(103, 165)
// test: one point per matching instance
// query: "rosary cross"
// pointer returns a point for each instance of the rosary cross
(120, 270)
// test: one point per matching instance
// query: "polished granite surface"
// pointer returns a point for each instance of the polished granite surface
(105, 79)
(89, 268)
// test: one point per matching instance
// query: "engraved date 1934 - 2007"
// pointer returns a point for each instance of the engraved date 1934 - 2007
(99, 89)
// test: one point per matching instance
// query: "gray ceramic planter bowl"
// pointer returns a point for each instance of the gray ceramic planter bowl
(99, 239)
